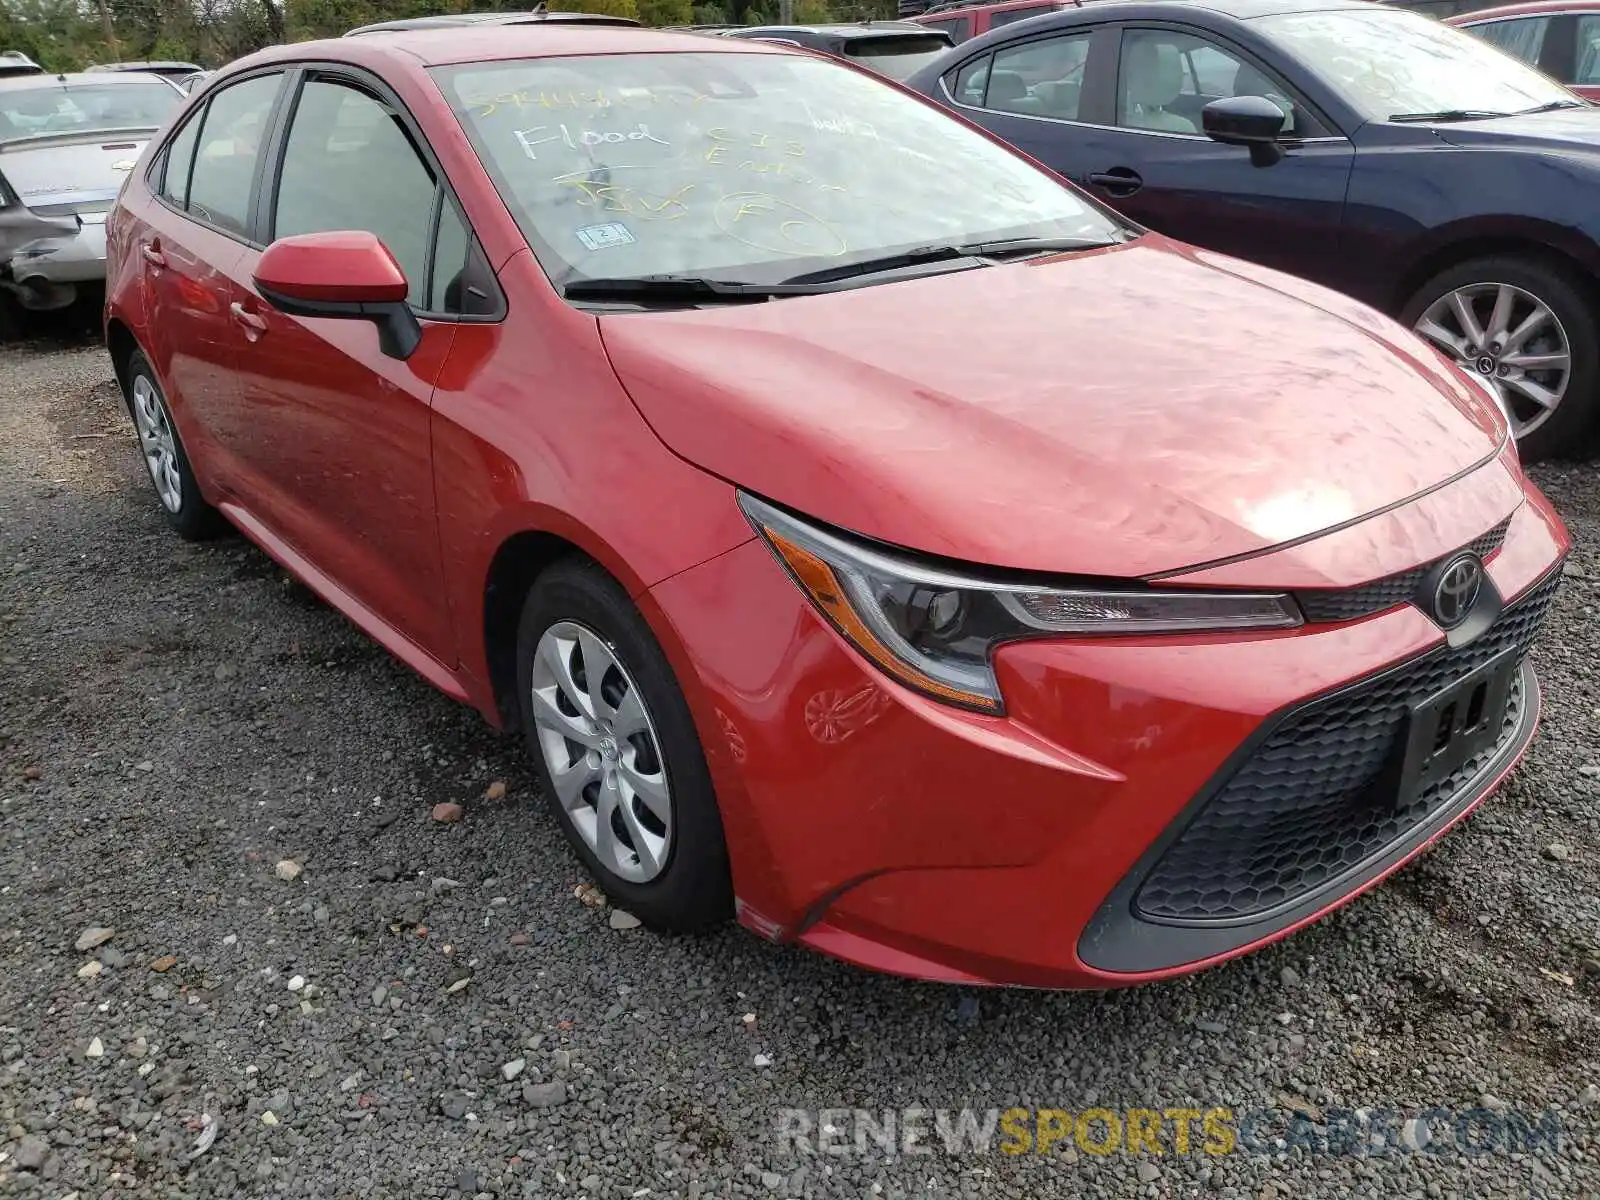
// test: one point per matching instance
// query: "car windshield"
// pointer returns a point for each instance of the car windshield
(74, 108)
(897, 57)
(1390, 63)
(750, 167)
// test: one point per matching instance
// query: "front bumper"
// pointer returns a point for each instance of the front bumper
(1038, 849)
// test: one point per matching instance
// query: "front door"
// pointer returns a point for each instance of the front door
(1157, 165)
(339, 433)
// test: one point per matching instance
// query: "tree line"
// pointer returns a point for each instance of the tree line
(65, 35)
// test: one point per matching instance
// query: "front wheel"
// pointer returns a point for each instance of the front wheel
(616, 752)
(1529, 330)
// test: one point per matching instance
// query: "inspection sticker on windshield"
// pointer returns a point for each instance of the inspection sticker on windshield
(603, 237)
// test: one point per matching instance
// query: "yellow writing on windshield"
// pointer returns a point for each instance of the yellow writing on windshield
(630, 200)
(757, 141)
(766, 223)
(782, 158)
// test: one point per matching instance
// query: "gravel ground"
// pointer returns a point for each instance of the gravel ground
(427, 1010)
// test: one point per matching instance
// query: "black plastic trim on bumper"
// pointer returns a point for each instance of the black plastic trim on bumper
(1117, 940)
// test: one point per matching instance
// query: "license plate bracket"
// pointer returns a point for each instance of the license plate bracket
(1455, 724)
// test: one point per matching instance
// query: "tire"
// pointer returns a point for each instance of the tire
(12, 326)
(1569, 429)
(671, 873)
(161, 450)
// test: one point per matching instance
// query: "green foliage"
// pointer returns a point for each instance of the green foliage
(64, 35)
(667, 12)
(611, 8)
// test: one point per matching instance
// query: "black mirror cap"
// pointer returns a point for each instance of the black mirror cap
(1243, 120)
(1252, 121)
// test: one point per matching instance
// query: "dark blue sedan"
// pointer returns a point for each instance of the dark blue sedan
(1364, 147)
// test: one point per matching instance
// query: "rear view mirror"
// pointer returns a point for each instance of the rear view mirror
(1251, 121)
(345, 273)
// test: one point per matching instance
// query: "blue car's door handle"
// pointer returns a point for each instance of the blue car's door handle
(1119, 181)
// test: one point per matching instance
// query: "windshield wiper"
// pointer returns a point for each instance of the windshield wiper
(685, 288)
(944, 253)
(1449, 114)
(1551, 107)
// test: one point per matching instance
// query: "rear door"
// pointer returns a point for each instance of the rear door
(1036, 94)
(1542, 40)
(194, 233)
(1585, 75)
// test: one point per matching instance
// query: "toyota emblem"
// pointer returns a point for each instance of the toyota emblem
(1457, 590)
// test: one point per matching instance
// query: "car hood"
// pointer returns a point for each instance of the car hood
(1119, 413)
(1564, 129)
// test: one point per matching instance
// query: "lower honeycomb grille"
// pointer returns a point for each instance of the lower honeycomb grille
(1304, 808)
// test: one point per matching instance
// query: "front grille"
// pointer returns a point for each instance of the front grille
(1328, 606)
(1302, 809)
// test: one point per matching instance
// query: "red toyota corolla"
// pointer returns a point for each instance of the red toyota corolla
(872, 536)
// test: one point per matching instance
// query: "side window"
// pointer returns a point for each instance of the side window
(1042, 78)
(223, 179)
(1523, 38)
(1587, 60)
(449, 269)
(179, 158)
(349, 164)
(959, 28)
(1006, 16)
(969, 82)
(1166, 78)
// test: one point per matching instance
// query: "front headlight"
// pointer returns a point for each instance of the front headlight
(934, 629)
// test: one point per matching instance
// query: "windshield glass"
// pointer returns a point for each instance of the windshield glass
(70, 108)
(1390, 63)
(897, 57)
(749, 167)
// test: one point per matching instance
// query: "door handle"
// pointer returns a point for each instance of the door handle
(254, 326)
(152, 254)
(1119, 181)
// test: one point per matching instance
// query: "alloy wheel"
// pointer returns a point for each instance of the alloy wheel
(1512, 340)
(601, 749)
(157, 442)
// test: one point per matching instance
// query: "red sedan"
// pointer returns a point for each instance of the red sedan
(1560, 37)
(872, 536)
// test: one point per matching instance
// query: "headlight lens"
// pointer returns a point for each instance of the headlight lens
(934, 629)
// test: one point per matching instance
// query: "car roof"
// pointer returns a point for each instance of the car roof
(1241, 10)
(18, 83)
(1537, 8)
(150, 65)
(838, 28)
(451, 45)
(954, 7)
(470, 19)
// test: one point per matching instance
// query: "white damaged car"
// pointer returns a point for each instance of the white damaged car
(67, 142)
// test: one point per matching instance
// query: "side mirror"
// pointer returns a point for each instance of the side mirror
(1252, 121)
(346, 273)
